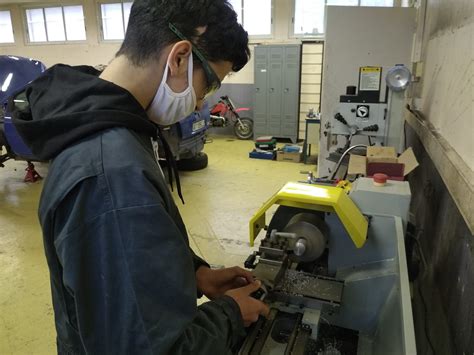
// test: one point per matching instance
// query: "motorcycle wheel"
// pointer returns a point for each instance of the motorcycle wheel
(244, 130)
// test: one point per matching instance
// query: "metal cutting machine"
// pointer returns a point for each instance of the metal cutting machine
(333, 269)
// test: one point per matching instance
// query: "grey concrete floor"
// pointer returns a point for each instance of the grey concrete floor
(220, 200)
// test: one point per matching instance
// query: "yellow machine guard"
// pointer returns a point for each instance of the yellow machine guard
(319, 198)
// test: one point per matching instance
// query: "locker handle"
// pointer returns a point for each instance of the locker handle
(287, 90)
(257, 89)
(272, 90)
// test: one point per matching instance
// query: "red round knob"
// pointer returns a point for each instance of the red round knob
(380, 179)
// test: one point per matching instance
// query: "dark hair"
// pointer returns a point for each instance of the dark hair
(148, 30)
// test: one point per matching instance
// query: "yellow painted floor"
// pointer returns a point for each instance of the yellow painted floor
(219, 203)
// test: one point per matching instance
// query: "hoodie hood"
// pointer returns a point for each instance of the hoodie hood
(67, 104)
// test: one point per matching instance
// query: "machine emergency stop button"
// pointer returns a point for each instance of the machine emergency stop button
(380, 179)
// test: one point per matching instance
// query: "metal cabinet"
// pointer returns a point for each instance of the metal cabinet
(277, 91)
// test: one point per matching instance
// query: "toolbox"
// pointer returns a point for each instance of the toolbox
(265, 143)
(258, 154)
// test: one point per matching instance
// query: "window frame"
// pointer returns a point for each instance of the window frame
(100, 24)
(291, 32)
(50, 5)
(293, 35)
(14, 43)
(272, 26)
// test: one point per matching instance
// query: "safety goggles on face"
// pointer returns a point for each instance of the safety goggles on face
(213, 81)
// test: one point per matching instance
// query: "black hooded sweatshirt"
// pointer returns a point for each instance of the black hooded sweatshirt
(122, 272)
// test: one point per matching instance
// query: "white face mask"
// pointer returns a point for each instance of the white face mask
(169, 107)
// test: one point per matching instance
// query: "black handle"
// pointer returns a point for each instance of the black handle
(373, 128)
(250, 262)
(340, 118)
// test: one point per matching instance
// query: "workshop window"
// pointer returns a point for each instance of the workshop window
(255, 16)
(386, 3)
(56, 24)
(343, 2)
(115, 20)
(6, 28)
(308, 18)
(309, 15)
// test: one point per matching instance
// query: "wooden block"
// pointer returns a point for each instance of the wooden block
(381, 155)
(357, 165)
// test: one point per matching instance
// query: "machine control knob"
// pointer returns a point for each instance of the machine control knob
(300, 247)
(363, 111)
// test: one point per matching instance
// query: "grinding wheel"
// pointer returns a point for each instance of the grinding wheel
(311, 229)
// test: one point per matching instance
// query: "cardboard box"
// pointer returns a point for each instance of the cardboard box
(285, 156)
(383, 160)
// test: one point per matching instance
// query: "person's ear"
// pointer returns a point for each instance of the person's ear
(178, 59)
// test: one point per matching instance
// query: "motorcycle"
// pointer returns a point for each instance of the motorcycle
(224, 113)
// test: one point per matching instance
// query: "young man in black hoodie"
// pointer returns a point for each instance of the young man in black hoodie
(123, 278)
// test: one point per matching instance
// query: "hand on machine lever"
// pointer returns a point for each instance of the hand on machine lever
(237, 283)
(251, 307)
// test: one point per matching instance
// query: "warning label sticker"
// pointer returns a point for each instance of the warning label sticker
(370, 78)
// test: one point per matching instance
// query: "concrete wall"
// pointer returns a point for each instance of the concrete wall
(442, 186)
(445, 92)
